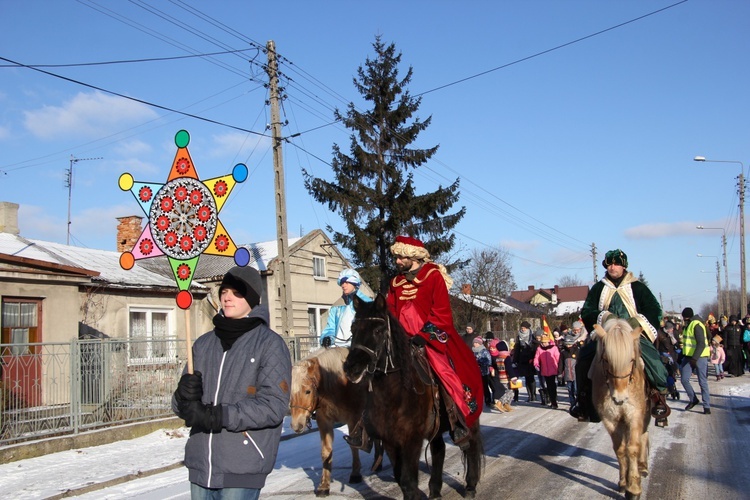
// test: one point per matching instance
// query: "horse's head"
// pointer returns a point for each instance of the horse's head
(304, 397)
(370, 339)
(620, 357)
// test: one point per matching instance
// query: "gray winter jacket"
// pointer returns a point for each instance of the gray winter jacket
(251, 382)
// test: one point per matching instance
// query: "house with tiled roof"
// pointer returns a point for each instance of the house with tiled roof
(557, 301)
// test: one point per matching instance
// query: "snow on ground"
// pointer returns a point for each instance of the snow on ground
(117, 466)
(56, 473)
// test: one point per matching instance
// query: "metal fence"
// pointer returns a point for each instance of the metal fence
(51, 389)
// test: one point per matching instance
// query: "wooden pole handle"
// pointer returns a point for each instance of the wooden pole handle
(189, 341)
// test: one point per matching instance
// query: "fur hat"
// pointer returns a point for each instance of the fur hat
(616, 256)
(525, 324)
(410, 247)
(577, 324)
(349, 276)
(246, 280)
(570, 339)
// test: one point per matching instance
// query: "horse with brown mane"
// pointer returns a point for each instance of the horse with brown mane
(404, 406)
(320, 387)
(620, 394)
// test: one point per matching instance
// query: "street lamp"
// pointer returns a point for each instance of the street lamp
(741, 187)
(718, 282)
(727, 305)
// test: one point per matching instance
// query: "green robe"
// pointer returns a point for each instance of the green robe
(630, 295)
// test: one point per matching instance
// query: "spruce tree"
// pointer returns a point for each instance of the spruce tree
(373, 190)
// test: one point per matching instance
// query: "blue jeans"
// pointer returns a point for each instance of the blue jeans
(702, 371)
(201, 493)
(572, 391)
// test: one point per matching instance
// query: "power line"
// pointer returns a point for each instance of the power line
(558, 47)
(147, 103)
(128, 61)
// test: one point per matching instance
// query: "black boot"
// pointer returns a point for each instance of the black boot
(358, 438)
(581, 408)
(543, 397)
(531, 388)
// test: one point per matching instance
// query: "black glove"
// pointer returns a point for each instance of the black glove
(693, 363)
(190, 387)
(200, 416)
(418, 341)
(326, 341)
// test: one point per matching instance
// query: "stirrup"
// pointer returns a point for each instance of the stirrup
(660, 410)
(360, 444)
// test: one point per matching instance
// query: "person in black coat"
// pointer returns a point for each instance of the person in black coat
(735, 362)
(523, 357)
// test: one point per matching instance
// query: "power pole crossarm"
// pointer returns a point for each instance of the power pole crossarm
(69, 185)
(284, 279)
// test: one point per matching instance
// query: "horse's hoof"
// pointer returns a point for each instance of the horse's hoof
(322, 493)
(470, 494)
(355, 478)
(632, 496)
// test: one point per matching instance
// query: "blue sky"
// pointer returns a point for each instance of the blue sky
(591, 142)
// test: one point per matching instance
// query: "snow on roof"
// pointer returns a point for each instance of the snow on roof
(155, 272)
(564, 308)
(490, 304)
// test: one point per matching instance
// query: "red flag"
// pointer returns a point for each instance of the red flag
(545, 326)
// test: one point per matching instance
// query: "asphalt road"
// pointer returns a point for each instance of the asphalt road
(534, 453)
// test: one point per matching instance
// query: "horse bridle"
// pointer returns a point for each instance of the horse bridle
(628, 376)
(376, 355)
(310, 411)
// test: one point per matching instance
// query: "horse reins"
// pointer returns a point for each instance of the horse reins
(310, 411)
(388, 365)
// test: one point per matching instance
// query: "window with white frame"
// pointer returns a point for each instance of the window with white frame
(150, 335)
(316, 318)
(319, 267)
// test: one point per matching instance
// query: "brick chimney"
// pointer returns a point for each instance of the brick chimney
(9, 217)
(466, 289)
(128, 231)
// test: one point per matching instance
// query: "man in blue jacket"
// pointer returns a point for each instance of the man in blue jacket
(338, 330)
(236, 399)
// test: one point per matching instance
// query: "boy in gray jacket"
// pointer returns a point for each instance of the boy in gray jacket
(236, 399)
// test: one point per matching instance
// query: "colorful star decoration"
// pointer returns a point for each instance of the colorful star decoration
(183, 217)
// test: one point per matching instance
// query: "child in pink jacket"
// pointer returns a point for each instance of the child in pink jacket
(718, 356)
(546, 361)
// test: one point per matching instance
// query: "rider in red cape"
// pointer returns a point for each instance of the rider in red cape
(418, 297)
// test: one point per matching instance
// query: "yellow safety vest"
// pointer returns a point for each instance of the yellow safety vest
(689, 343)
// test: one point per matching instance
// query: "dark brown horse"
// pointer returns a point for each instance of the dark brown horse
(320, 387)
(404, 407)
(620, 394)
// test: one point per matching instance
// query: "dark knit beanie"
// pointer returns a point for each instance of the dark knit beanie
(246, 280)
(525, 324)
(687, 312)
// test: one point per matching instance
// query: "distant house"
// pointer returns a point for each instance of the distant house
(500, 315)
(557, 301)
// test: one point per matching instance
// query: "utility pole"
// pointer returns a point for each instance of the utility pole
(718, 288)
(284, 280)
(743, 282)
(593, 257)
(69, 185)
(727, 299)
